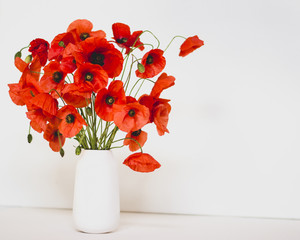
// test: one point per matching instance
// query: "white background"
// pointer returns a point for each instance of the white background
(233, 147)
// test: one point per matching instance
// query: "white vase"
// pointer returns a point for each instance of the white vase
(96, 206)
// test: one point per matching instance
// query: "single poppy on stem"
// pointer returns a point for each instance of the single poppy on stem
(53, 136)
(141, 162)
(53, 78)
(59, 44)
(125, 39)
(131, 116)
(77, 95)
(72, 122)
(82, 29)
(190, 45)
(100, 51)
(92, 76)
(154, 62)
(107, 98)
(139, 136)
(39, 47)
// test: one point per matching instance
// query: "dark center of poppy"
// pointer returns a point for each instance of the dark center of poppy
(57, 76)
(97, 58)
(131, 113)
(88, 77)
(149, 59)
(109, 100)
(136, 133)
(57, 133)
(70, 118)
(122, 40)
(84, 36)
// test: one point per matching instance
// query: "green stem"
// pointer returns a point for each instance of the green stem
(111, 138)
(139, 88)
(58, 95)
(158, 42)
(172, 41)
(137, 82)
(130, 139)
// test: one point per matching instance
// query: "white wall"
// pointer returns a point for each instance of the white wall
(233, 147)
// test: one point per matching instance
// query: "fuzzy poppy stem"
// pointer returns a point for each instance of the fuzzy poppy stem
(178, 36)
(58, 95)
(130, 139)
(137, 82)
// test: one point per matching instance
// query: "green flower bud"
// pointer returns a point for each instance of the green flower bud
(28, 59)
(89, 111)
(18, 54)
(29, 138)
(61, 44)
(62, 152)
(141, 68)
(78, 150)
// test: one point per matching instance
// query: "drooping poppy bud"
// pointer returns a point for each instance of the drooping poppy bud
(62, 152)
(78, 150)
(28, 59)
(141, 68)
(29, 138)
(89, 111)
(18, 54)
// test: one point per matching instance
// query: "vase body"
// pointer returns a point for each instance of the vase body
(96, 205)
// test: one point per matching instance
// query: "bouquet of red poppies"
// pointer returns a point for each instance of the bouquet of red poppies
(86, 86)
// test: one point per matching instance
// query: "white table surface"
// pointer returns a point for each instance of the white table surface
(56, 224)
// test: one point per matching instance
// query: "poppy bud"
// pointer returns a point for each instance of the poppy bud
(61, 44)
(18, 54)
(28, 59)
(78, 150)
(29, 138)
(62, 152)
(141, 68)
(89, 111)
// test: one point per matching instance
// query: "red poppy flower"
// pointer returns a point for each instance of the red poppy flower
(100, 51)
(21, 96)
(53, 136)
(141, 162)
(53, 78)
(91, 76)
(139, 135)
(27, 94)
(130, 99)
(59, 44)
(163, 82)
(43, 108)
(83, 30)
(107, 98)
(46, 102)
(159, 112)
(154, 62)
(190, 45)
(38, 119)
(14, 93)
(131, 117)
(125, 39)
(39, 47)
(76, 95)
(71, 123)
(30, 72)
(161, 117)
(68, 62)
